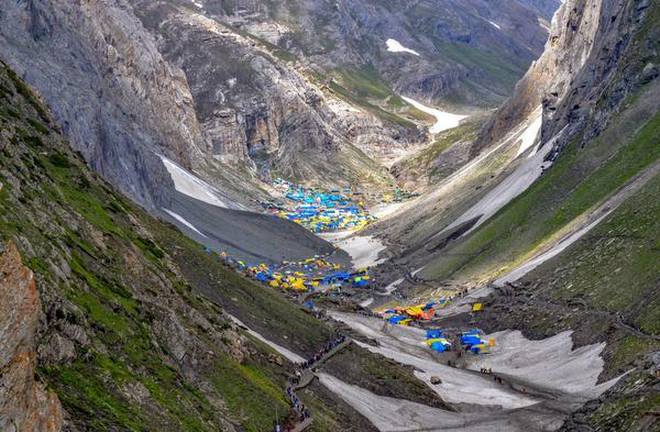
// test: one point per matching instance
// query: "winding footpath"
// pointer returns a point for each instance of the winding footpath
(305, 376)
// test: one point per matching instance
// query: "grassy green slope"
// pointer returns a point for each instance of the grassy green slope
(578, 180)
(148, 352)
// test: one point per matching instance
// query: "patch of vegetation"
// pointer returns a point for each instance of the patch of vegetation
(125, 378)
(250, 396)
(263, 310)
(617, 268)
(423, 163)
(577, 181)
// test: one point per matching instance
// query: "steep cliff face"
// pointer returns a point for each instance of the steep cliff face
(236, 91)
(25, 404)
(259, 111)
(110, 89)
(580, 74)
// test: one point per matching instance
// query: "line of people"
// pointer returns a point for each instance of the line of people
(322, 352)
(298, 405)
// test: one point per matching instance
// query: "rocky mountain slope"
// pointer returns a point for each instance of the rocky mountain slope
(123, 323)
(236, 90)
(561, 222)
(25, 404)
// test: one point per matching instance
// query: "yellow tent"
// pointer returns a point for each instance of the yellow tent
(477, 307)
(298, 284)
(430, 342)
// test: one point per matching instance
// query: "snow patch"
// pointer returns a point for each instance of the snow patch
(516, 183)
(290, 355)
(528, 138)
(444, 120)
(191, 185)
(394, 46)
(367, 302)
(406, 345)
(391, 414)
(382, 211)
(494, 25)
(363, 250)
(551, 363)
(391, 287)
(183, 221)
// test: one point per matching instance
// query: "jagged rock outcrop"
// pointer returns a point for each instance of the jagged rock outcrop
(110, 89)
(25, 403)
(583, 53)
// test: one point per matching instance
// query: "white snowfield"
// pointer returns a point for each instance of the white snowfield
(363, 250)
(406, 345)
(444, 120)
(191, 185)
(290, 355)
(550, 363)
(389, 414)
(183, 221)
(393, 45)
(516, 183)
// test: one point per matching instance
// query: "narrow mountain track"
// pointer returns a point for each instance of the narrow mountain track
(305, 378)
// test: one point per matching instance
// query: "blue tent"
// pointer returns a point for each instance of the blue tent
(263, 277)
(439, 347)
(396, 319)
(470, 340)
(433, 333)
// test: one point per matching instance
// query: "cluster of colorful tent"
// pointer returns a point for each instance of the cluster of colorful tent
(306, 275)
(321, 211)
(473, 340)
(404, 315)
(436, 340)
